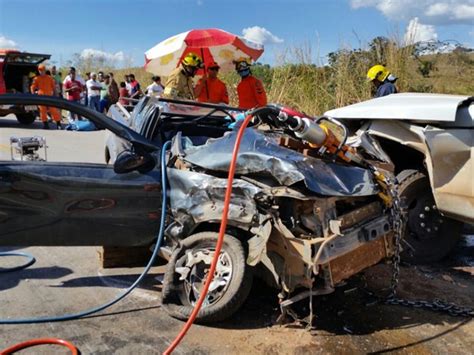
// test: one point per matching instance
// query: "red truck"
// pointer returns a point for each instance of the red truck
(16, 72)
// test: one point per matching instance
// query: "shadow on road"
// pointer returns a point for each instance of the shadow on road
(10, 280)
(116, 281)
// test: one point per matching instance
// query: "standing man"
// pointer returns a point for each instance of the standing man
(382, 80)
(93, 92)
(180, 82)
(210, 88)
(44, 84)
(250, 89)
(135, 90)
(73, 89)
(113, 90)
(155, 89)
(123, 94)
(105, 94)
(58, 81)
(78, 78)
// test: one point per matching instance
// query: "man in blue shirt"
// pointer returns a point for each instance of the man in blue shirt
(383, 80)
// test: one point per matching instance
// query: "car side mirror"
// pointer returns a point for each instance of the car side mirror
(128, 161)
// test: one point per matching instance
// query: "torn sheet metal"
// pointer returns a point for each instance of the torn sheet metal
(202, 197)
(369, 144)
(448, 154)
(260, 154)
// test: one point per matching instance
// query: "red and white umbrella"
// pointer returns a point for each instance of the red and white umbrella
(213, 45)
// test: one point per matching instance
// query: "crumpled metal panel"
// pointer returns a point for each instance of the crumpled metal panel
(201, 196)
(260, 154)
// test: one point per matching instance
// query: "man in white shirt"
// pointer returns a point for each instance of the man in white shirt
(155, 89)
(93, 92)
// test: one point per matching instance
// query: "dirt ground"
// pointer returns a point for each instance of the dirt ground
(68, 280)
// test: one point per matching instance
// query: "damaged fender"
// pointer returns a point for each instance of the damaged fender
(196, 198)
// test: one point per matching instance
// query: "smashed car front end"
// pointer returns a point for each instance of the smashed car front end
(308, 222)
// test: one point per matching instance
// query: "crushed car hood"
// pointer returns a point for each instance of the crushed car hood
(260, 154)
(412, 106)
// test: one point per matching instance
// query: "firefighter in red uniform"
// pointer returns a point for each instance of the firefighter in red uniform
(250, 89)
(210, 88)
(44, 84)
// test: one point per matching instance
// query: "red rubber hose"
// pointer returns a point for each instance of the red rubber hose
(220, 239)
(41, 341)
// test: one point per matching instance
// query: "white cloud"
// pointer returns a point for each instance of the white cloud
(7, 43)
(90, 53)
(260, 35)
(437, 9)
(431, 12)
(418, 32)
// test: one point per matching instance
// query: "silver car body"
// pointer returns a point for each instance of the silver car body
(441, 127)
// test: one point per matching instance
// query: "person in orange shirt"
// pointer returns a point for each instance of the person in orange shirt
(250, 89)
(44, 84)
(210, 88)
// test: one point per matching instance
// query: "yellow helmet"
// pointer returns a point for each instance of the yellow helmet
(192, 60)
(242, 63)
(378, 72)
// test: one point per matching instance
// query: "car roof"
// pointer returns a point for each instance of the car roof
(412, 106)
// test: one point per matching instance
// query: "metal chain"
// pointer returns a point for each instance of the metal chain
(398, 226)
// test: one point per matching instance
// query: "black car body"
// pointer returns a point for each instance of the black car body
(297, 218)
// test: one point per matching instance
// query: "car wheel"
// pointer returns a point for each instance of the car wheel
(26, 118)
(429, 236)
(187, 271)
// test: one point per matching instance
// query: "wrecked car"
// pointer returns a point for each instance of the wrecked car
(303, 217)
(428, 140)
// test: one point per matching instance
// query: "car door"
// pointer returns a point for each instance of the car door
(450, 161)
(73, 198)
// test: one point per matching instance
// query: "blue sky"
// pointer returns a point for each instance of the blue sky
(127, 29)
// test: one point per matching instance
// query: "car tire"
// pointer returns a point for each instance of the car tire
(26, 118)
(178, 298)
(429, 236)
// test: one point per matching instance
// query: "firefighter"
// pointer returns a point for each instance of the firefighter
(383, 81)
(45, 85)
(210, 88)
(250, 89)
(180, 83)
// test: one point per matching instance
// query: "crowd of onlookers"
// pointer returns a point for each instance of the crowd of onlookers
(99, 90)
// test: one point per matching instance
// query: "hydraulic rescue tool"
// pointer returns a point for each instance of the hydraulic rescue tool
(318, 133)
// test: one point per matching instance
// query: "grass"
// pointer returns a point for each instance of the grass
(297, 82)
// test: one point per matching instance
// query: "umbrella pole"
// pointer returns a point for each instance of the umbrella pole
(205, 73)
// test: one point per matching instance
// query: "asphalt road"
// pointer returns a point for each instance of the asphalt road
(67, 280)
